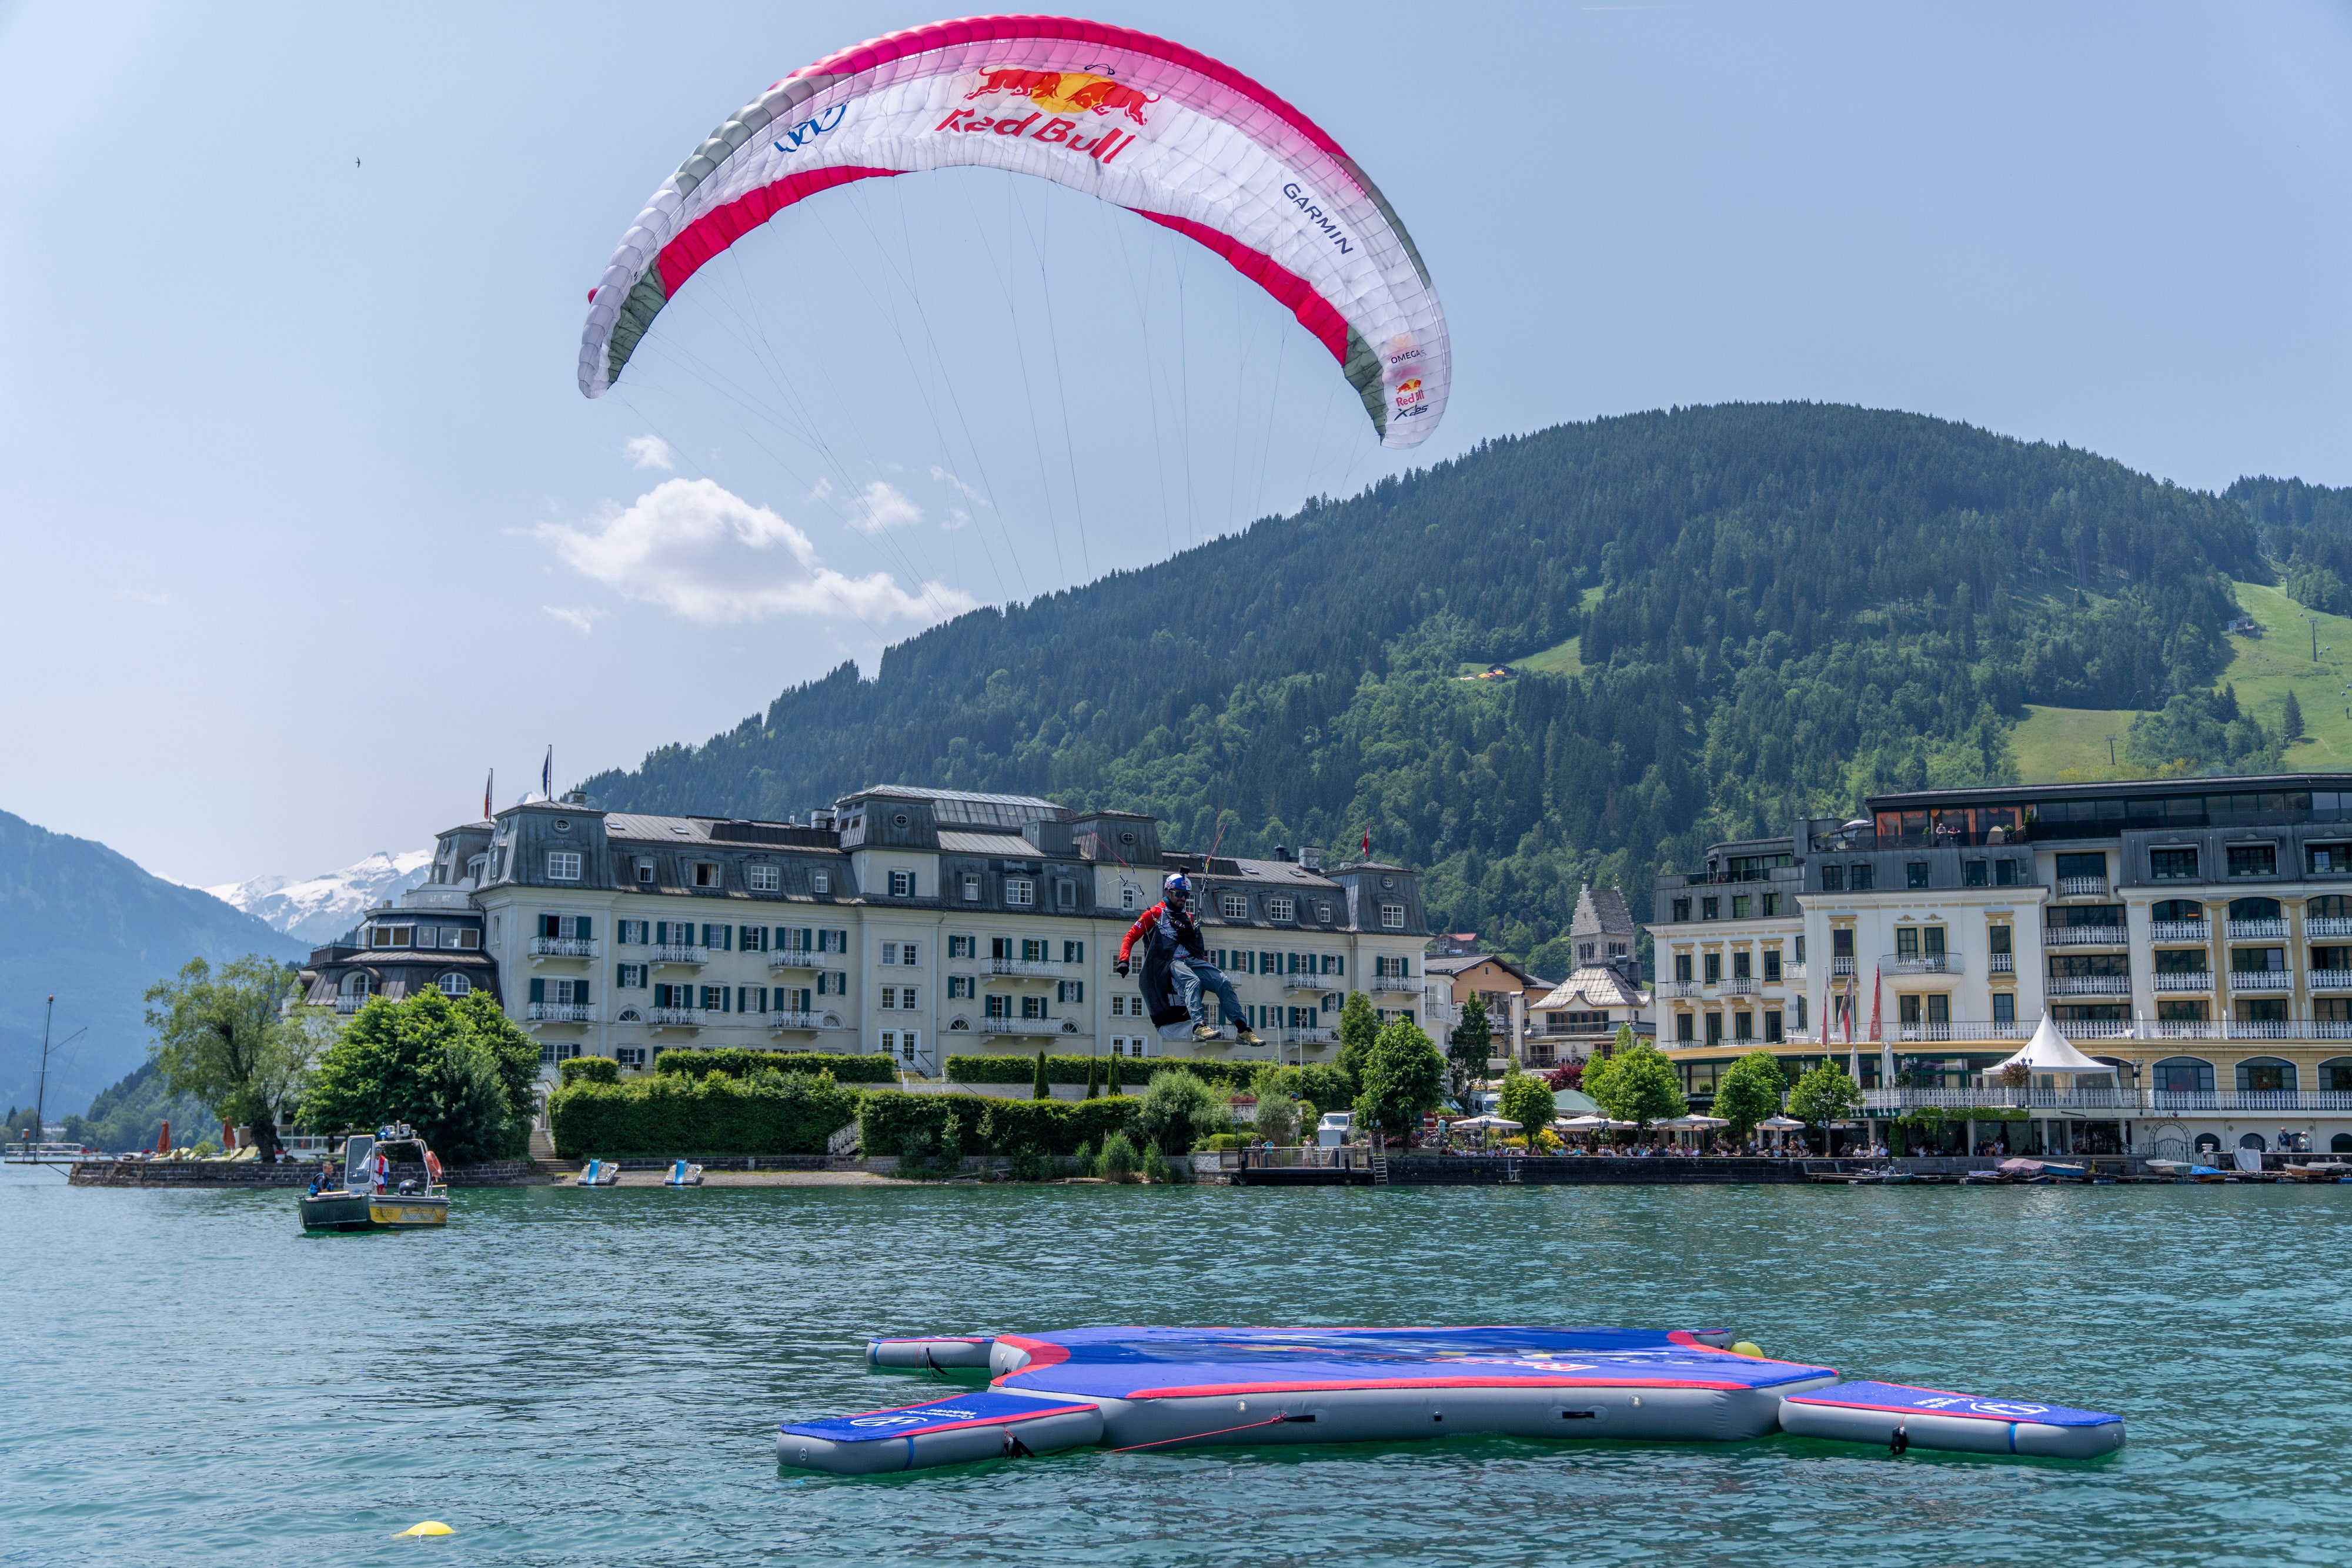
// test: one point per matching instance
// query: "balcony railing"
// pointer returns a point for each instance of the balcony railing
(1311, 982)
(2089, 984)
(559, 1012)
(674, 1017)
(2002, 963)
(1309, 1036)
(794, 958)
(1793, 973)
(2184, 980)
(1025, 969)
(1019, 1026)
(2084, 936)
(2263, 1029)
(779, 1022)
(1394, 983)
(565, 947)
(1839, 968)
(2327, 926)
(1685, 990)
(1739, 986)
(348, 1003)
(2124, 1101)
(2260, 980)
(2330, 980)
(1922, 963)
(2197, 931)
(677, 953)
(2082, 887)
(2257, 930)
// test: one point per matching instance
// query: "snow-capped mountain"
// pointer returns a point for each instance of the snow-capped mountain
(322, 908)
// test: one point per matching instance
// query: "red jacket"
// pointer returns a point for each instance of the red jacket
(1182, 930)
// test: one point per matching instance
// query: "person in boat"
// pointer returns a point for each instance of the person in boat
(1176, 967)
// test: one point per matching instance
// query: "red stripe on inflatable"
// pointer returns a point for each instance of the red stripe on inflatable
(716, 229)
(1314, 1386)
(1683, 1337)
(1041, 1353)
(1314, 313)
(881, 51)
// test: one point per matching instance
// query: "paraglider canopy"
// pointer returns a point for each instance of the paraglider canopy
(1177, 137)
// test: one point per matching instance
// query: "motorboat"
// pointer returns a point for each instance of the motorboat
(362, 1195)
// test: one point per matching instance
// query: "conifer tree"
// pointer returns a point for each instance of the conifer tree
(2291, 719)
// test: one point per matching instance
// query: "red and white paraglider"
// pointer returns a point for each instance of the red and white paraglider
(1175, 136)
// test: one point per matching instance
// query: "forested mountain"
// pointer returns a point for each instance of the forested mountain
(2309, 528)
(80, 922)
(1789, 605)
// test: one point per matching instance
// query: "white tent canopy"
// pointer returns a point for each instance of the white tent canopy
(2050, 1052)
(1779, 1123)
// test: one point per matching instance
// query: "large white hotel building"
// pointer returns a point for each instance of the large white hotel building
(915, 923)
(2193, 935)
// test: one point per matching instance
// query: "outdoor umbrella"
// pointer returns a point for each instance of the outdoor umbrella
(1480, 1124)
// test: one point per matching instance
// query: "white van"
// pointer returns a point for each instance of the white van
(1332, 1129)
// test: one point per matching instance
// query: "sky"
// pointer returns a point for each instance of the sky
(309, 527)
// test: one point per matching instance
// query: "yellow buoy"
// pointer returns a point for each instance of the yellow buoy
(430, 1527)
(1747, 1347)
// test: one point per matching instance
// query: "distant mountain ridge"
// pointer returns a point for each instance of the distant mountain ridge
(86, 924)
(320, 908)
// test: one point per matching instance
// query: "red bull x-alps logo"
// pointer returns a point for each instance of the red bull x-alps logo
(1064, 103)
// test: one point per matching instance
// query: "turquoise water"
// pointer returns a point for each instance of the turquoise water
(595, 1377)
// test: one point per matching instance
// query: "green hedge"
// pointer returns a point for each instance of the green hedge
(1135, 1075)
(670, 1113)
(993, 1126)
(737, 1062)
(588, 1070)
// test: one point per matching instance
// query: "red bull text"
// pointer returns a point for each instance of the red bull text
(1057, 132)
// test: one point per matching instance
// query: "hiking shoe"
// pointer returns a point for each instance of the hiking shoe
(1206, 1031)
(1249, 1036)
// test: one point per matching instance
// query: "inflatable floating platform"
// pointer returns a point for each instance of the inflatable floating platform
(1905, 1417)
(1165, 1388)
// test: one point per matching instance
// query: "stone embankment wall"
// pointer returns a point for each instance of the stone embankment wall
(233, 1173)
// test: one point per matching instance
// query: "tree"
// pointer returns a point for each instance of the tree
(2291, 719)
(1824, 1094)
(1358, 1027)
(1115, 1086)
(1750, 1092)
(1467, 1050)
(460, 1073)
(1178, 1108)
(1527, 1100)
(1038, 1088)
(1402, 1076)
(1636, 1083)
(1094, 1077)
(223, 1038)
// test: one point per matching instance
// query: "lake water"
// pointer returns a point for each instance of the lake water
(595, 1377)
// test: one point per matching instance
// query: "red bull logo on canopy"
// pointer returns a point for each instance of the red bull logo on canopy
(1064, 93)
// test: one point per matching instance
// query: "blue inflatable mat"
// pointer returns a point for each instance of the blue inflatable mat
(981, 1408)
(1905, 1399)
(1170, 1363)
(1903, 1417)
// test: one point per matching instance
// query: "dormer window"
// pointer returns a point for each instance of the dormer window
(705, 874)
(764, 877)
(820, 882)
(563, 865)
(644, 873)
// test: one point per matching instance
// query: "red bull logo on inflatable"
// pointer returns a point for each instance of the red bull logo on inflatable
(1408, 391)
(1064, 93)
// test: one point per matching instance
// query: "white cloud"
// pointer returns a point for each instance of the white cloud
(882, 506)
(944, 477)
(136, 596)
(648, 452)
(956, 517)
(707, 554)
(582, 620)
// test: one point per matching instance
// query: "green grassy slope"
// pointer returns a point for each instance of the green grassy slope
(1562, 659)
(2268, 666)
(2068, 744)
